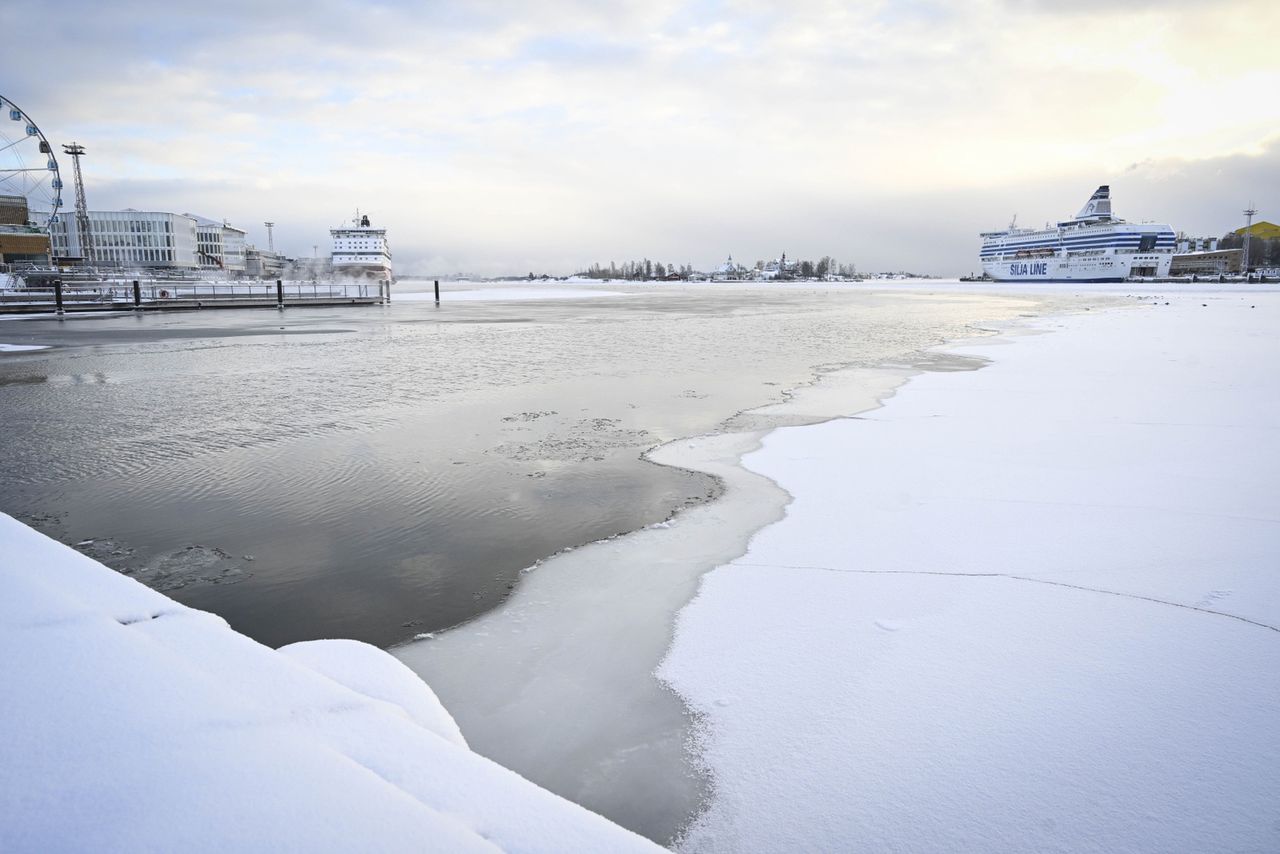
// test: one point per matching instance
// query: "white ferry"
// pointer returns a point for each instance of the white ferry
(361, 250)
(1093, 247)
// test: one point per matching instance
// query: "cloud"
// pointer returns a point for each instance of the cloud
(501, 136)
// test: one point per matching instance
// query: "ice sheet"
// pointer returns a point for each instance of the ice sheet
(1031, 607)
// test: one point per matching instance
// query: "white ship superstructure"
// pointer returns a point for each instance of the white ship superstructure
(361, 250)
(1093, 247)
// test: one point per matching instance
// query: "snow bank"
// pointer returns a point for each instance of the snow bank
(133, 723)
(368, 670)
(1031, 607)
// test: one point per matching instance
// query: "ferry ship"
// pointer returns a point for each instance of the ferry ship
(1093, 247)
(361, 250)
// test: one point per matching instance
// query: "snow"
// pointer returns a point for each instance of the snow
(133, 723)
(369, 671)
(1029, 607)
(19, 348)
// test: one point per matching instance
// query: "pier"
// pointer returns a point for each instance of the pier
(136, 295)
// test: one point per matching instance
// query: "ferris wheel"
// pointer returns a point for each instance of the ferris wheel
(28, 167)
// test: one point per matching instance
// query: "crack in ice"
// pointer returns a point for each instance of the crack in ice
(1086, 588)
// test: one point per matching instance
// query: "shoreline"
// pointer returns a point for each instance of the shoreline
(115, 692)
(629, 755)
(426, 484)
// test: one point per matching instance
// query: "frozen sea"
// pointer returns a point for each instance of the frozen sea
(989, 611)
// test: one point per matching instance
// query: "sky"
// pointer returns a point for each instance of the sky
(510, 137)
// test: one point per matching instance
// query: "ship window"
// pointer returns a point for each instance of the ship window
(1147, 243)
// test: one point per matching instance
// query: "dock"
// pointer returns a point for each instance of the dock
(188, 296)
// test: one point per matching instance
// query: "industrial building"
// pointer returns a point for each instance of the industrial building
(19, 241)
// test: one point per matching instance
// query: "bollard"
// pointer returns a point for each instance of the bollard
(137, 296)
(57, 294)
(279, 295)
(437, 291)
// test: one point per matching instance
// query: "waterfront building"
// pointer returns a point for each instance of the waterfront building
(1185, 243)
(219, 246)
(130, 238)
(780, 268)
(263, 264)
(727, 271)
(19, 240)
(1208, 263)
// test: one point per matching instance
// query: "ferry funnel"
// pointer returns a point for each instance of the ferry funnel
(1098, 208)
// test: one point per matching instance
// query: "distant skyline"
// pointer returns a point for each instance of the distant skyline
(505, 137)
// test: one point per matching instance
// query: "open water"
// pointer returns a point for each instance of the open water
(380, 472)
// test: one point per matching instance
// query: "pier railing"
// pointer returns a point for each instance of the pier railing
(158, 294)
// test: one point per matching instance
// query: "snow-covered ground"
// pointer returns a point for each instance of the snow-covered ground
(132, 723)
(21, 348)
(1033, 607)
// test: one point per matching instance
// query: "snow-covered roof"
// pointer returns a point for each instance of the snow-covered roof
(134, 723)
(213, 223)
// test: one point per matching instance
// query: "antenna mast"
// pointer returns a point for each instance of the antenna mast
(76, 150)
(271, 244)
(1248, 224)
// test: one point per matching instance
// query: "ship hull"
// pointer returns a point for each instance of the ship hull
(1058, 270)
(363, 271)
(1107, 268)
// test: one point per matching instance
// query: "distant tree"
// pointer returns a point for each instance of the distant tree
(824, 267)
(648, 269)
(659, 271)
(806, 269)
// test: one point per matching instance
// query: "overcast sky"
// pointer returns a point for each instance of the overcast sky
(515, 136)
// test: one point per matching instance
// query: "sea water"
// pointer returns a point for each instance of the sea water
(386, 473)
